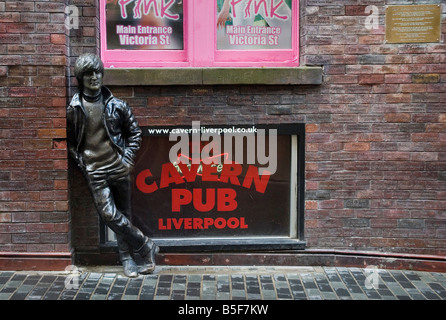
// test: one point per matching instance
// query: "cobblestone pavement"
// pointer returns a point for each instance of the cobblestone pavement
(225, 283)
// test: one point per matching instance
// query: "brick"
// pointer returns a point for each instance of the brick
(357, 146)
(52, 133)
(318, 40)
(426, 78)
(324, 49)
(58, 18)
(386, 69)
(357, 49)
(372, 59)
(428, 58)
(19, 6)
(318, 137)
(317, 20)
(50, 70)
(331, 204)
(413, 88)
(398, 59)
(266, 99)
(10, 60)
(371, 39)
(54, 238)
(58, 38)
(396, 156)
(355, 10)
(425, 117)
(398, 78)
(426, 97)
(10, 38)
(311, 205)
(6, 17)
(279, 110)
(397, 117)
(26, 238)
(398, 98)
(436, 127)
(334, 69)
(436, 87)
(21, 27)
(371, 79)
(37, 144)
(433, 68)
(319, 59)
(410, 223)
(49, 7)
(50, 28)
(40, 227)
(50, 92)
(5, 217)
(357, 203)
(21, 49)
(22, 92)
(57, 82)
(343, 79)
(425, 137)
(22, 70)
(412, 48)
(359, 69)
(424, 156)
(89, 32)
(412, 127)
(356, 222)
(317, 195)
(160, 101)
(35, 17)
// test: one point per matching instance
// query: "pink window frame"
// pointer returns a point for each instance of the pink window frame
(200, 51)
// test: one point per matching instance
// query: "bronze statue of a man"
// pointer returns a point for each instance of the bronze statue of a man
(103, 138)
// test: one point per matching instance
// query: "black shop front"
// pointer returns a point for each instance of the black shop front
(219, 188)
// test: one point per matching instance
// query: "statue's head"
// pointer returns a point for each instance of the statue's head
(89, 71)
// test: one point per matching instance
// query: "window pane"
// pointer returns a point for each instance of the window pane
(144, 24)
(231, 207)
(254, 24)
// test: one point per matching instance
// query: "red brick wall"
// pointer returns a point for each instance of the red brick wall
(376, 141)
(376, 155)
(33, 161)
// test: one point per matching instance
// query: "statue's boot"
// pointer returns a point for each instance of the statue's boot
(130, 267)
(134, 238)
(147, 249)
(148, 253)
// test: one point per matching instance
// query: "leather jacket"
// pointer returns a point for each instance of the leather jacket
(120, 124)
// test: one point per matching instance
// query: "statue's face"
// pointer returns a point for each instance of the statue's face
(92, 81)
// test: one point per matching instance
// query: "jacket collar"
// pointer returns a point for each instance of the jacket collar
(77, 98)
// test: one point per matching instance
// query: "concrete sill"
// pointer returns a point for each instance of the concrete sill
(213, 76)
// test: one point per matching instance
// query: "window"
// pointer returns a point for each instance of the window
(199, 33)
(210, 188)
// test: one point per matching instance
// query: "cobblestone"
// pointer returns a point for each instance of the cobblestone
(225, 283)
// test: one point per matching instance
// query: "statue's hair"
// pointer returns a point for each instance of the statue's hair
(85, 63)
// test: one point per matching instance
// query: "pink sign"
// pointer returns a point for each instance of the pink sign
(254, 24)
(144, 25)
(199, 33)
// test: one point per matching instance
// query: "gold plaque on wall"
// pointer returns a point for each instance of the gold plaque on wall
(413, 23)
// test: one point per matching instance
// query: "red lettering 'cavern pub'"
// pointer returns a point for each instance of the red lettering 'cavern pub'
(274, 132)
